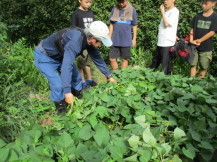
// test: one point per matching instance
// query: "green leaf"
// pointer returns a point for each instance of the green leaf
(86, 132)
(102, 134)
(167, 147)
(4, 153)
(102, 111)
(189, 152)
(132, 158)
(80, 149)
(2, 143)
(148, 137)
(141, 120)
(196, 89)
(176, 159)
(145, 155)
(178, 133)
(195, 135)
(105, 97)
(130, 90)
(133, 141)
(206, 145)
(65, 140)
(13, 156)
(92, 120)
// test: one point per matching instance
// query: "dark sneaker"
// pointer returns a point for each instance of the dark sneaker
(61, 107)
(92, 84)
(77, 94)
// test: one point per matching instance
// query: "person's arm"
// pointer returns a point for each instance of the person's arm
(71, 49)
(100, 63)
(134, 35)
(111, 28)
(73, 20)
(205, 37)
(165, 21)
(191, 38)
(134, 23)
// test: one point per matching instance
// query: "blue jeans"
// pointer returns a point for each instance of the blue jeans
(50, 68)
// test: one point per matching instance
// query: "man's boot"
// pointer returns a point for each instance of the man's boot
(61, 107)
(77, 94)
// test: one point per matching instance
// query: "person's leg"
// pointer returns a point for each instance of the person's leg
(156, 59)
(113, 63)
(89, 80)
(88, 72)
(202, 73)
(125, 54)
(82, 74)
(165, 60)
(76, 82)
(193, 70)
(113, 55)
(49, 68)
(124, 63)
(204, 58)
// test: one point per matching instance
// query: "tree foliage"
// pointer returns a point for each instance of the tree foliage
(36, 19)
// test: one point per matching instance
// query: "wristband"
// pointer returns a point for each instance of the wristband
(191, 34)
(108, 77)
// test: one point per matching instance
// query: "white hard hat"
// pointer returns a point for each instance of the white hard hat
(101, 32)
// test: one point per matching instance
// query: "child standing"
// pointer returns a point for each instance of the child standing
(122, 20)
(81, 18)
(167, 31)
(203, 28)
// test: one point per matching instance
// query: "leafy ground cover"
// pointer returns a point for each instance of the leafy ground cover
(147, 116)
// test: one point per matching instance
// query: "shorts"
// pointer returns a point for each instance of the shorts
(123, 52)
(84, 61)
(204, 59)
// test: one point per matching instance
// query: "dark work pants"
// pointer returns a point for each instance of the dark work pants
(162, 56)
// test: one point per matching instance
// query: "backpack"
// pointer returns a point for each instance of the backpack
(59, 35)
(184, 50)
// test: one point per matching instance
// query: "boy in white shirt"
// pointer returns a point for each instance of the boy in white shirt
(167, 30)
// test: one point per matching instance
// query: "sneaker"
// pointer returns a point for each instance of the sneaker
(91, 83)
(60, 107)
(77, 94)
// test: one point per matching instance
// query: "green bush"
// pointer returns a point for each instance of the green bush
(146, 117)
(35, 20)
(19, 81)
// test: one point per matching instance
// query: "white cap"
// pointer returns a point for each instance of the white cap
(101, 32)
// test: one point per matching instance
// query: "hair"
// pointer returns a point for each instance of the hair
(87, 33)
(120, 1)
(209, 0)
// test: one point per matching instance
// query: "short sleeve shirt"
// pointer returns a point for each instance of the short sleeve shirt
(122, 31)
(167, 35)
(203, 25)
(82, 18)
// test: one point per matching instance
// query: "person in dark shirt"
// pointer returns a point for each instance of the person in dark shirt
(60, 70)
(81, 18)
(203, 28)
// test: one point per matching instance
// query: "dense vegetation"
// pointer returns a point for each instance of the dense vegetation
(35, 19)
(147, 116)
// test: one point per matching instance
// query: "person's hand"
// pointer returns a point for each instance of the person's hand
(133, 43)
(194, 42)
(162, 8)
(177, 38)
(112, 80)
(69, 98)
(198, 41)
